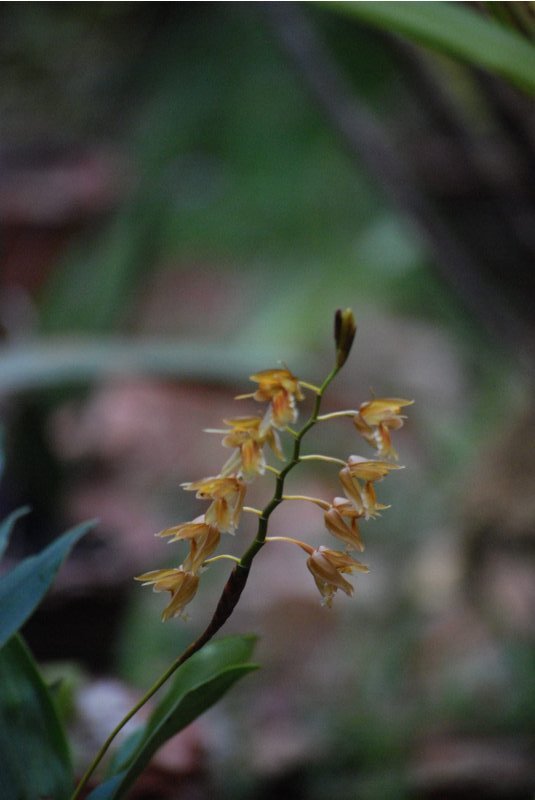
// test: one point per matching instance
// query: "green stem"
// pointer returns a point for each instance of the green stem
(231, 593)
(140, 703)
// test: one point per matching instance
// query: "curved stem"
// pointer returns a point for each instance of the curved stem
(140, 703)
(229, 597)
(231, 592)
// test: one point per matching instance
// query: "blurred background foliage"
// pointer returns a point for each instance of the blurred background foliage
(190, 190)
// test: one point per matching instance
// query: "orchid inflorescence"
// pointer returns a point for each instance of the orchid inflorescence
(248, 437)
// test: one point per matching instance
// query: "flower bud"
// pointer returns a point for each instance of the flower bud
(345, 328)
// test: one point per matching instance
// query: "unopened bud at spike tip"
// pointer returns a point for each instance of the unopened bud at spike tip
(345, 329)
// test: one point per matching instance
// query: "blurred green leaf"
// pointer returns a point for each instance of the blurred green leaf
(456, 29)
(22, 589)
(197, 685)
(57, 361)
(7, 526)
(34, 758)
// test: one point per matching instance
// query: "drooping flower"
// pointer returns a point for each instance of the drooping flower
(203, 539)
(362, 497)
(180, 583)
(342, 521)
(376, 418)
(248, 435)
(281, 389)
(327, 568)
(228, 495)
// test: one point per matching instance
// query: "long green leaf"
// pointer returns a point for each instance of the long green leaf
(22, 589)
(192, 705)
(55, 360)
(198, 684)
(6, 528)
(226, 652)
(34, 758)
(203, 666)
(453, 28)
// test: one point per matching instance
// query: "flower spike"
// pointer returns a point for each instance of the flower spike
(248, 437)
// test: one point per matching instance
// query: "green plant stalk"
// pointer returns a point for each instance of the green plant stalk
(231, 591)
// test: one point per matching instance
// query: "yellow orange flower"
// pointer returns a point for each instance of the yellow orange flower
(228, 495)
(272, 381)
(281, 389)
(376, 418)
(202, 537)
(344, 525)
(248, 435)
(327, 568)
(181, 584)
(363, 498)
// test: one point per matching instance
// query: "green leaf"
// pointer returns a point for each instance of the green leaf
(34, 757)
(453, 28)
(54, 360)
(215, 656)
(197, 685)
(204, 665)
(7, 526)
(22, 589)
